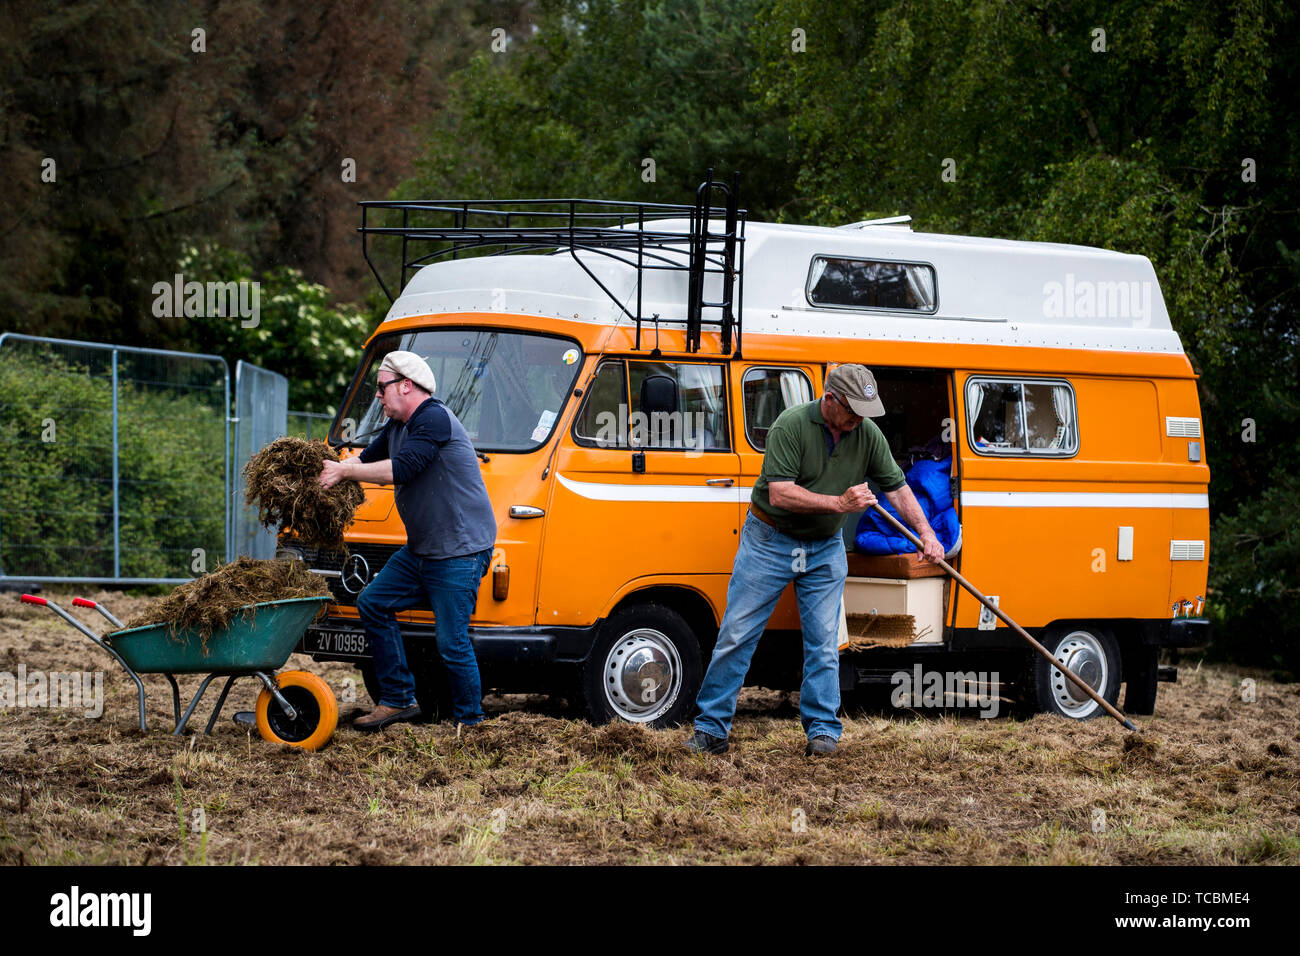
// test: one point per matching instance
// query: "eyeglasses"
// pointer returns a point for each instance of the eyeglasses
(381, 386)
(843, 404)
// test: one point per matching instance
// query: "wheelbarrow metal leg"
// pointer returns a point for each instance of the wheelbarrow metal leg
(189, 711)
(176, 698)
(221, 702)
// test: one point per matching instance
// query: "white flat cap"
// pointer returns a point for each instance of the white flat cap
(409, 365)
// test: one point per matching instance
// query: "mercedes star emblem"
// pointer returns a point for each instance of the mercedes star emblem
(355, 574)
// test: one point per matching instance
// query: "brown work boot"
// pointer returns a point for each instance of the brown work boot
(382, 716)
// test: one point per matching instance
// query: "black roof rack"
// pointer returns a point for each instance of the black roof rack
(436, 230)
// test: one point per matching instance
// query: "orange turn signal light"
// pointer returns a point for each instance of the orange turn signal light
(500, 582)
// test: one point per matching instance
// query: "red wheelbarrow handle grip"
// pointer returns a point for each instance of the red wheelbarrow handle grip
(33, 599)
(83, 602)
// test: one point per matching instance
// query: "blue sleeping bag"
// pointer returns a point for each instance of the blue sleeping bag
(930, 482)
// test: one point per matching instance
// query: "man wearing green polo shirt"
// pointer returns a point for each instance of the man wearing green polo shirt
(817, 456)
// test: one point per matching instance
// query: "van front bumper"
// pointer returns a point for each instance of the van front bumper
(344, 639)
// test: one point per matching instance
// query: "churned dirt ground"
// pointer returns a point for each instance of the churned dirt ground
(1213, 779)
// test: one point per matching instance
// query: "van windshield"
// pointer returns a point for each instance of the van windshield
(507, 388)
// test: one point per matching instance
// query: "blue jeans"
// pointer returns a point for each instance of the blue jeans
(451, 585)
(766, 562)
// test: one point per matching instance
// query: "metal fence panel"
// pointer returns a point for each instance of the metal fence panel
(310, 425)
(114, 461)
(261, 416)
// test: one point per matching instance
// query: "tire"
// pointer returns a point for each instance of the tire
(644, 668)
(1092, 653)
(317, 712)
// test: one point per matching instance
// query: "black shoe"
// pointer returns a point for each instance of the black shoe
(820, 746)
(702, 743)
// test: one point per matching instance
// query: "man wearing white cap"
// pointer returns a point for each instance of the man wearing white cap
(425, 452)
(817, 458)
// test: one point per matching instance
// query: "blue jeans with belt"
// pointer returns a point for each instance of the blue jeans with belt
(451, 587)
(766, 562)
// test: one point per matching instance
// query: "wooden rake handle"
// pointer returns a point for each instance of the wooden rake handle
(956, 576)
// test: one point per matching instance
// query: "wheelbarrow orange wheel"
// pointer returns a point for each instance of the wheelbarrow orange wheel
(317, 712)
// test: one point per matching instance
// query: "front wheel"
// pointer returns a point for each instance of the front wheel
(644, 668)
(316, 712)
(1093, 655)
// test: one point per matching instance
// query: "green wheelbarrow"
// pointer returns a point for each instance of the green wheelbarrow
(295, 707)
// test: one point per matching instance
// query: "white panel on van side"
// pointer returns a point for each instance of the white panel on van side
(1182, 427)
(1125, 548)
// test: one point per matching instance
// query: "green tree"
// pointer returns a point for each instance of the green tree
(300, 332)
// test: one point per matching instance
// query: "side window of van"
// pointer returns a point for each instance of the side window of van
(769, 392)
(678, 405)
(603, 420)
(1029, 417)
(870, 284)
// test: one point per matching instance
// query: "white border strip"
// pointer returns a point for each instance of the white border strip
(609, 491)
(1083, 499)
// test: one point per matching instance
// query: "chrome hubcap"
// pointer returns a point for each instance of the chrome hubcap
(643, 675)
(1082, 653)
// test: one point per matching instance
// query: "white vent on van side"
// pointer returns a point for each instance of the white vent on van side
(1186, 550)
(1182, 427)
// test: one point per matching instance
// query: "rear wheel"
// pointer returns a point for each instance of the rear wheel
(1093, 655)
(644, 668)
(316, 712)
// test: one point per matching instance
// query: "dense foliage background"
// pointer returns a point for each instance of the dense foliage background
(1163, 127)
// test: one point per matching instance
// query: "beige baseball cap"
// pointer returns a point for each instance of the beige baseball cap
(409, 365)
(857, 386)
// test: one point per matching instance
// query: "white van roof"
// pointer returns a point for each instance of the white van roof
(988, 291)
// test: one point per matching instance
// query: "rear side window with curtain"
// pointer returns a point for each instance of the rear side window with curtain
(1021, 417)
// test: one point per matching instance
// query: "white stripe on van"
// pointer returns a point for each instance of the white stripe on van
(608, 491)
(1082, 499)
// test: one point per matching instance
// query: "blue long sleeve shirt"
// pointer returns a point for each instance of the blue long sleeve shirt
(439, 488)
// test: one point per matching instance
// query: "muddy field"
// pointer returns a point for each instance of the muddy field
(1214, 779)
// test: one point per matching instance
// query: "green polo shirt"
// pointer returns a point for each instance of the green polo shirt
(797, 451)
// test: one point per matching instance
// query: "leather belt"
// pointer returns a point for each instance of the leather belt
(763, 516)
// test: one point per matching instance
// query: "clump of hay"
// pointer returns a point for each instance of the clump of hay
(282, 480)
(881, 630)
(209, 603)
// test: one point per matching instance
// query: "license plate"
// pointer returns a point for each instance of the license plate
(324, 640)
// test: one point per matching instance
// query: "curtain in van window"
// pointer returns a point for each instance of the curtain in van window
(794, 389)
(703, 378)
(818, 269)
(921, 281)
(1064, 415)
(974, 400)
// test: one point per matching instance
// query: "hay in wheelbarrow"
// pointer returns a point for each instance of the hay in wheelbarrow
(209, 603)
(282, 480)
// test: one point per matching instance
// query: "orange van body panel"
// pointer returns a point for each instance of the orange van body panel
(599, 543)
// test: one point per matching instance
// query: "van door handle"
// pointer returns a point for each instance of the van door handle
(723, 482)
(525, 511)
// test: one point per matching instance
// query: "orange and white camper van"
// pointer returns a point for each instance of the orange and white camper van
(618, 364)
